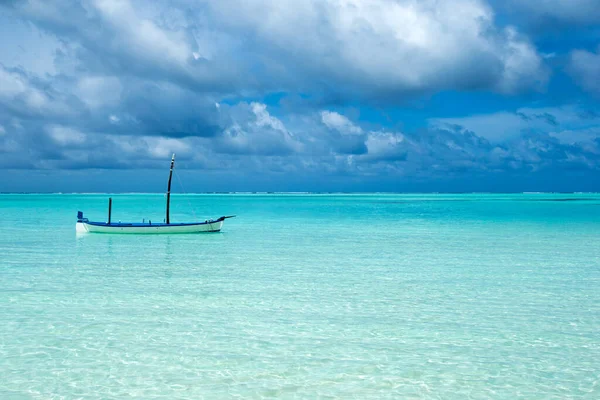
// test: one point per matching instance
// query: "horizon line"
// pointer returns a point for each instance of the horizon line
(293, 192)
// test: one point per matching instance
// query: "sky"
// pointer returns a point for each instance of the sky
(300, 95)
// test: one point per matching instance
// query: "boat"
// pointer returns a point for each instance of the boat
(84, 225)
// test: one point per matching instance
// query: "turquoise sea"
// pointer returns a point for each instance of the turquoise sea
(374, 296)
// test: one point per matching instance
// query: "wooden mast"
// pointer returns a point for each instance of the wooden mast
(109, 209)
(169, 187)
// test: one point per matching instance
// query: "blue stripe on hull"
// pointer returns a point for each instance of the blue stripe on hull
(145, 225)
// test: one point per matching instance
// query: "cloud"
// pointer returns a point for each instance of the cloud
(121, 68)
(25, 96)
(25, 45)
(334, 120)
(584, 66)
(120, 84)
(253, 130)
(385, 146)
(502, 126)
(99, 91)
(257, 143)
(120, 38)
(351, 47)
(386, 47)
(65, 136)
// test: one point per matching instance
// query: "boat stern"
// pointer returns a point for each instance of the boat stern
(80, 226)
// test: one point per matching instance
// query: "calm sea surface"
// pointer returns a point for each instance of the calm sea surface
(303, 296)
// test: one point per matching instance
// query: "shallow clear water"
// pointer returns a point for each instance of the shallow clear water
(303, 296)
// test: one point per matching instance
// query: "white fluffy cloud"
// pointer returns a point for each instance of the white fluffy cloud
(334, 120)
(367, 48)
(387, 46)
(253, 130)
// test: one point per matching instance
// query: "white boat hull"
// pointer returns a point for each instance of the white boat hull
(84, 227)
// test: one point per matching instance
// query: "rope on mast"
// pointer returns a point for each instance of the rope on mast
(184, 192)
